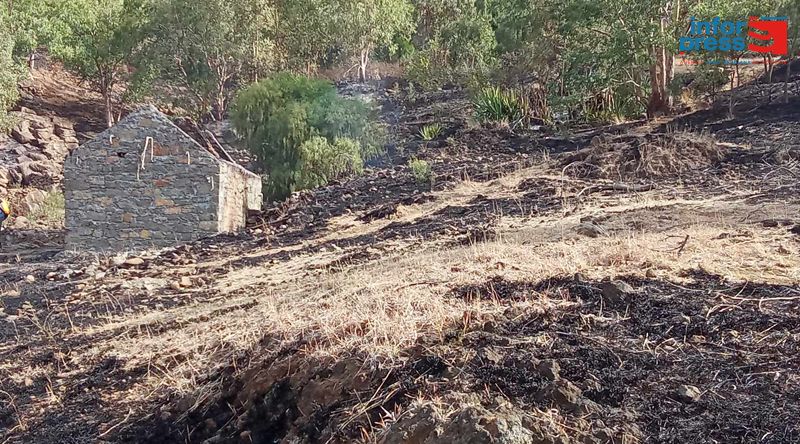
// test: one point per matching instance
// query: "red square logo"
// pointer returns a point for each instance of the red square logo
(772, 34)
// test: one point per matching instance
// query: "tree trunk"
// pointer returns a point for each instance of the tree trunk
(732, 94)
(786, 83)
(362, 65)
(659, 94)
(255, 60)
(219, 111)
(661, 75)
(109, 106)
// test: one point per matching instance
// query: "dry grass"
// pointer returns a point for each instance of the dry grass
(51, 211)
(646, 156)
(381, 308)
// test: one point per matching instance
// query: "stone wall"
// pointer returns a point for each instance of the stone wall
(232, 198)
(117, 199)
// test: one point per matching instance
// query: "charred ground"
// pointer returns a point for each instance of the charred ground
(535, 293)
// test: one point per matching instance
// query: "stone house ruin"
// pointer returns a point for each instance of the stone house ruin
(146, 183)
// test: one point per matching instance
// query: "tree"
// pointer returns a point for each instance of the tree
(306, 32)
(733, 10)
(460, 46)
(791, 9)
(33, 25)
(210, 47)
(9, 72)
(363, 25)
(433, 15)
(301, 131)
(100, 39)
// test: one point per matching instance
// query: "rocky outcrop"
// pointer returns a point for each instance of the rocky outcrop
(32, 154)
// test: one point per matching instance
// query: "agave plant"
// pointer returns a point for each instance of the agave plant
(430, 132)
(493, 104)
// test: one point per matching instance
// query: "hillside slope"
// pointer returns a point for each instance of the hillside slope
(623, 285)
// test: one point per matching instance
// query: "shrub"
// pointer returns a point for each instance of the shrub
(428, 68)
(421, 170)
(324, 161)
(431, 131)
(303, 133)
(493, 104)
(461, 52)
(9, 76)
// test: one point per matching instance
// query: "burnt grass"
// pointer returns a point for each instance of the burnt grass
(736, 342)
(613, 364)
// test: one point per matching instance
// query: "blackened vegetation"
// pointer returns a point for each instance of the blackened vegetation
(496, 289)
(320, 401)
(658, 361)
(624, 364)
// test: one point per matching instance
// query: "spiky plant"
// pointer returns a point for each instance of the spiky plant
(430, 132)
(493, 104)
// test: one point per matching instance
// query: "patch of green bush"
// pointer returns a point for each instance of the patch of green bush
(9, 76)
(303, 133)
(460, 53)
(324, 161)
(421, 170)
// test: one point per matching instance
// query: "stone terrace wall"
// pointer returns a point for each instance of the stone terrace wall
(112, 203)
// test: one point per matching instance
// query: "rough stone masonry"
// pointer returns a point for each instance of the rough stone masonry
(145, 183)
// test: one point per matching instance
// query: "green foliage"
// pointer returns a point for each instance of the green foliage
(460, 51)
(430, 131)
(35, 23)
(210, 48)
(428, 69)
(361, 26)
(421, 170)
(323, 161)
(307, 32)
(9, 74)
(98, 40)
(302, 132)
(493, 104)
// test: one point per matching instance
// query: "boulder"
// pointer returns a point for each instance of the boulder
(590, 230)
(689, 393)
(61, 124)
(31, 203)
(38, 156)
(22, 132)
(34, 153)
(15, 176)
(5, 177)
(56, 150)
(19, 222)
(38, 122)
(44, 135)
(614, 291)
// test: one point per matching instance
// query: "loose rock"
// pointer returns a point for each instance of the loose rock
(689, 393)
